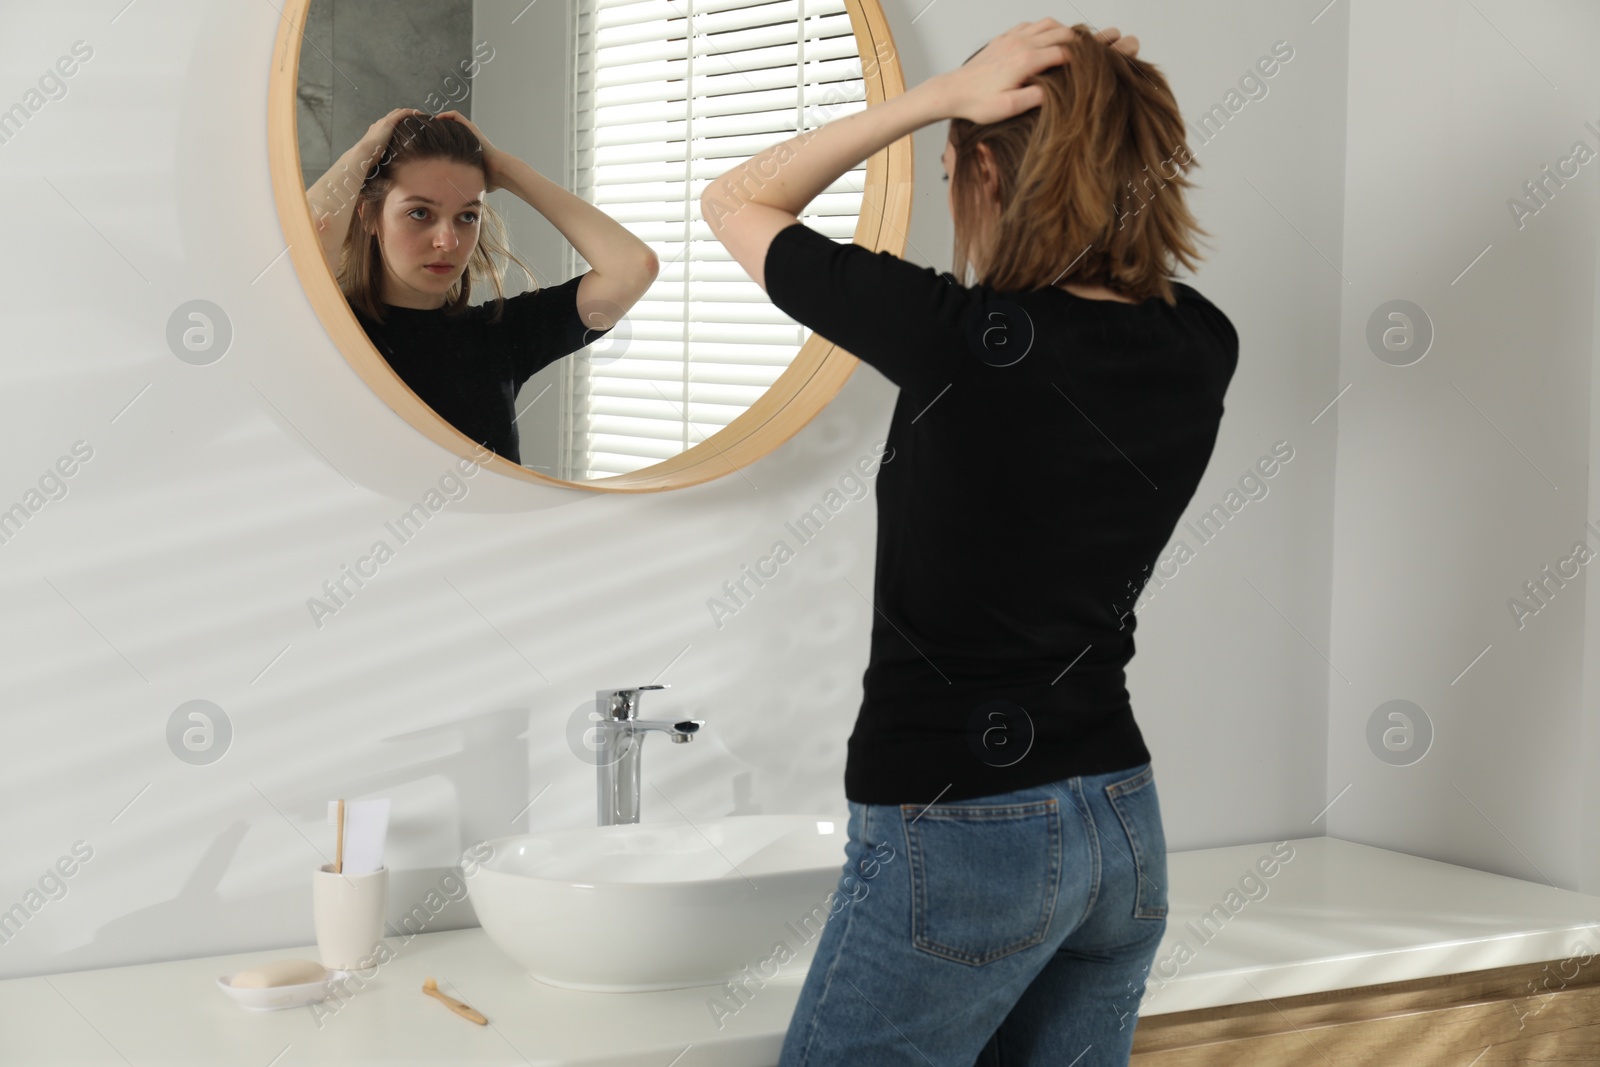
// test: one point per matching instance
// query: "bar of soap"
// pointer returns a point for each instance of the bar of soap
(280, 972)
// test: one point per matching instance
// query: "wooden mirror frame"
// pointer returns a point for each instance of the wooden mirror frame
(812, 379)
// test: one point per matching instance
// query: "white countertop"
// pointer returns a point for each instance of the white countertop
(1333, 915)
(1339, 915)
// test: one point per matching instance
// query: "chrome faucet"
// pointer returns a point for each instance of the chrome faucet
(619, 737)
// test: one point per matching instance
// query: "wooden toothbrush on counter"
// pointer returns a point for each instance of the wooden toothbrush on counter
(430, 987)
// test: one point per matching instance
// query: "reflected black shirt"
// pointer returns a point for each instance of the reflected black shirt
(468, 369)
(1040, 454)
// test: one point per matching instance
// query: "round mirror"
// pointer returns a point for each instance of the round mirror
(631, 106)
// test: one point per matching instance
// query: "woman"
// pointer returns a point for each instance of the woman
(415, 249)
(1005, 883)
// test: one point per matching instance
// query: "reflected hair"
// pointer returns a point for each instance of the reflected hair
(1090, 183)
(417, 138)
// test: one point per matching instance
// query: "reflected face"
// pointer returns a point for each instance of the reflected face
(428, 230)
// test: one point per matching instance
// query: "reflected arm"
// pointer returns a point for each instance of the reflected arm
(332, 198)
(622, 266)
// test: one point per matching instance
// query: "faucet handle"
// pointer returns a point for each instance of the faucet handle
(620, 704)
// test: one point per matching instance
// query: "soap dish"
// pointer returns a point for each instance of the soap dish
(275, 998)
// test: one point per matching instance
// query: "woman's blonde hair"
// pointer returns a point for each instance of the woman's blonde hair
(1085, 194)
(361, 259)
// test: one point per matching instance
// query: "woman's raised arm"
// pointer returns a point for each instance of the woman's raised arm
(622, 265)
(332, 197)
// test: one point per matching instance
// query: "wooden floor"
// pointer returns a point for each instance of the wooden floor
(1531, 1015)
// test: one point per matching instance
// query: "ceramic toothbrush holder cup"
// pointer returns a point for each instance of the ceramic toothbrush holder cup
(348, 911)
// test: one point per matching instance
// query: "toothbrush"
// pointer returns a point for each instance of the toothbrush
(338, 843)
(430, 987)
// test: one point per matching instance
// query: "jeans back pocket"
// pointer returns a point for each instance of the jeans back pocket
(1139, 810)
(984, 877)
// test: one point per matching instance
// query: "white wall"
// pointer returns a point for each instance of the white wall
(1461, 476)
(220, 497)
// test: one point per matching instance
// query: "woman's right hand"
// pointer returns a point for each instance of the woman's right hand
(375, 141)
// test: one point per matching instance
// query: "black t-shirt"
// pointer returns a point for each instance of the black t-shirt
(468, 369)
(1041, 452)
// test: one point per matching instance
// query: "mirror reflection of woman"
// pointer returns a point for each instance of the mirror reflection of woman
(405, 226)
(1004, 891)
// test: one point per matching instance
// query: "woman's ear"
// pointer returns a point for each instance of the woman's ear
(988, 173)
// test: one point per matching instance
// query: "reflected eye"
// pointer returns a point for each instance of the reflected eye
(471, 217)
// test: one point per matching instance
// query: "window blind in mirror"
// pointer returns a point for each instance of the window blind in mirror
(668, 96)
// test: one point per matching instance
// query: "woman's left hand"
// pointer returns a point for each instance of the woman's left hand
(491, 154)
(989, 86)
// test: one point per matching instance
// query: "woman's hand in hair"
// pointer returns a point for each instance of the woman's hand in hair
(375, 142)
(491, 154)
(990, 87)
(1128, 46)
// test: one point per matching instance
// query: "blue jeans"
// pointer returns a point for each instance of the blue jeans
(997, 931)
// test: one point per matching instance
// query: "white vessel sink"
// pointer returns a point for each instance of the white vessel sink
(646, 906)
